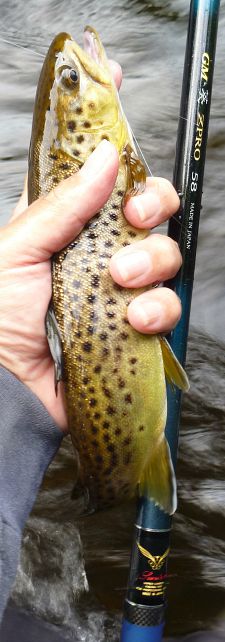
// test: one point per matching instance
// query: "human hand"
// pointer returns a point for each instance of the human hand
(36, 232)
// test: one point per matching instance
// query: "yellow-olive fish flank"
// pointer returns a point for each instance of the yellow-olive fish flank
(114, 376)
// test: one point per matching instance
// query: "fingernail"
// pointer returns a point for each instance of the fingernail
(97, 160)
(133, 264)
(150, 315)
(154, 206)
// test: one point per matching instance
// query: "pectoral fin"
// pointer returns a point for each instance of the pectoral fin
(174, 372)
(136, 174)
(158, 481)
(55, 344)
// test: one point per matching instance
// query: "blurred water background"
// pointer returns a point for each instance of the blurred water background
(148, 39)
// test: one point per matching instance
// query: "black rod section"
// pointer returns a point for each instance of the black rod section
(145, 602)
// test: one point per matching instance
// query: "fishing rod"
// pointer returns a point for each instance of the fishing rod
(145, 602)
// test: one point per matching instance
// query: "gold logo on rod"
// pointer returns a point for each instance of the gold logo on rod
(155, 561)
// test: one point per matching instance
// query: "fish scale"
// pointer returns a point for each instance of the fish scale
(114, 377)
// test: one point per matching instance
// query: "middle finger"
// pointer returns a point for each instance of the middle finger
(154, 259)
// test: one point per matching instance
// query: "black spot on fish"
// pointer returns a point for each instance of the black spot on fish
(107, 392)
(104, 137)
(76, 152)
(108, 244)
(132, 234)
(97, 415)
(90, 329)
(55, 179)
(91, 298)
(110, 410)
(118, 432)
(94, 430)
(113, 216)
(92, 235)
(124, 336)
(87, 346)
(78, 110)
(128, 398)
(91, 389)
(125, 243)
(92, 402)
(110, 314)
(121, 383)
(86, 124)
(78, 334)
(80, 138)
(111, 301)
(65, 166)
(125, 320)
(118, 349)
(101, 265)
(95, 280)
(106, 437)
(105, 352)
(111, 448)
(112, 326)
(53, 156)
(141, 428)
(106, 424)
(120, 193)
(133, 360)
(133, 372)
(127, 441)
(85, 380)
(71, 125)
(115, 370)
(115, 232)
(103, 336)
(97, 368)
(105, 223)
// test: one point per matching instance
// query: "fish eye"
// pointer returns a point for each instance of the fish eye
(68, 77)
(74, 76)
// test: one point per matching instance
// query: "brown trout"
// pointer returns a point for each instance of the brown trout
(114, 376)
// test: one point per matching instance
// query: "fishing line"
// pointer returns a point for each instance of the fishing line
(15, 44)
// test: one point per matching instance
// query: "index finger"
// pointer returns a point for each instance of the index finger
(158, 203)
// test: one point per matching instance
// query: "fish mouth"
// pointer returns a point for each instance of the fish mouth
(92, 58)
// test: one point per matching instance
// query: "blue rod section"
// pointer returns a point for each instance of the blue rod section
(145, 602)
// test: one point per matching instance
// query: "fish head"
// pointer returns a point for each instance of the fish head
(82, 106)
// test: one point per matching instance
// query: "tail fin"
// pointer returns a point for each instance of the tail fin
(174, 372)
(158, 481)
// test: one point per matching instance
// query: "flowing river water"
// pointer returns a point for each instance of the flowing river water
(148, 39)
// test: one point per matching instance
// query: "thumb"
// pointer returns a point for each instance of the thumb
(53, 221)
